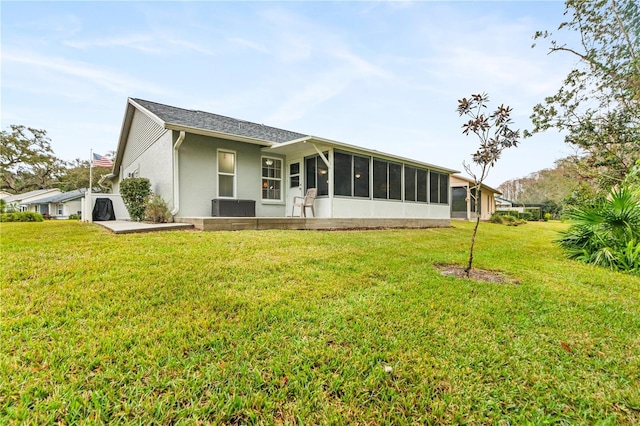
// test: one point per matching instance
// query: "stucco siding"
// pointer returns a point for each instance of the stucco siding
(155, 164)
(354, 208)
(487, 201)
(71, 207)
(198, 176)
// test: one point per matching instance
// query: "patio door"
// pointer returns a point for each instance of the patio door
(294, 183)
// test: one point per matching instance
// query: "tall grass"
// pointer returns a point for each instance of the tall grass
(272, 327)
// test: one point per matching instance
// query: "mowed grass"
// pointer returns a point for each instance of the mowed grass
(273, 327)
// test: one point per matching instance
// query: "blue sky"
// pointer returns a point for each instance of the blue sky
(382, 75)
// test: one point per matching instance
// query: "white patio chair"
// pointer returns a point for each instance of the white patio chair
(305, 202)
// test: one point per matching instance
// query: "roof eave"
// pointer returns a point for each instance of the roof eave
(221, 135)
(364, 151)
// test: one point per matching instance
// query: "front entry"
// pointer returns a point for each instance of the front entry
(294, 183)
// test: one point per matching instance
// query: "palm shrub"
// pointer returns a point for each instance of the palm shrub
(606, 233)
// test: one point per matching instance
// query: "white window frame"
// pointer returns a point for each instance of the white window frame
(234, 174)
(280, 179)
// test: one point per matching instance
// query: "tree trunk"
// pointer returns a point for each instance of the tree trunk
(478, 193)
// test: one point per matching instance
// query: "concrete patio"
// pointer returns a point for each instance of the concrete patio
(130, 227)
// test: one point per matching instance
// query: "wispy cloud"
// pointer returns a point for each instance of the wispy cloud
(248, 44)
(327, 62)
(156, 43)
(111, 80)
(320, 87)
(134, 41)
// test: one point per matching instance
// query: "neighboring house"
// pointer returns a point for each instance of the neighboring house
(60, 206)
(4, 194)
(22, 202)
(463, 193)
(198, 161)
(504, 204)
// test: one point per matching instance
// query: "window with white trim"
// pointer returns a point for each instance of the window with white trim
(271, 178)
(226, 174)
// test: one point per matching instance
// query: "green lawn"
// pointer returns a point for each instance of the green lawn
(303, 327)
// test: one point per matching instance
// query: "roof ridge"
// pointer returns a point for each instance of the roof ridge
(217, 122)
(213, 113)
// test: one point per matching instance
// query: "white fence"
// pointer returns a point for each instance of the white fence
(118, 206)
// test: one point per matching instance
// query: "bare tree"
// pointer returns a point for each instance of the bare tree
(495, 136)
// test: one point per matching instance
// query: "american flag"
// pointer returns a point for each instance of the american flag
(101, 161)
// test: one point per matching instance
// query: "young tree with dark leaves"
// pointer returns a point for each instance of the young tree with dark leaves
(495, 135)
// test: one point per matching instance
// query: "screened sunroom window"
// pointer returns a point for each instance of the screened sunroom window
(438, 188)
(351, 175)
(342, 175)
(387, 180)
(415, 184)
(317, 174)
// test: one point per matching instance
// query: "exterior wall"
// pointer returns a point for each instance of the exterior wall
(365, 208)
(488, 205)
(143, 133)
(198, 176)
(487, 200)
(148, 155)
(118, 206)
(71, 207)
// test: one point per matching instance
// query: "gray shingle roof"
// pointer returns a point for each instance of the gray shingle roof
(60, 198)
(20, 197)
(217, 123)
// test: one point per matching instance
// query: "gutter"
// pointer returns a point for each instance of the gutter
(176, 183)
(105, 177)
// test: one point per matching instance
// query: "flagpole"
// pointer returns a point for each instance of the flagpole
(89, 190)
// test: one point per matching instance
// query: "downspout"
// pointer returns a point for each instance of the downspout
(176, 174)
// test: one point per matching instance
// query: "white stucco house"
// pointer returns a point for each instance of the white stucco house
(463, 193)
(26, 201)
(208, 165)
(60, 205)
(504, 204)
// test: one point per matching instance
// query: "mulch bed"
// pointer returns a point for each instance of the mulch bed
(476, 274)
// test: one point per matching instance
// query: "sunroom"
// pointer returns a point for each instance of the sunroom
(353, 182)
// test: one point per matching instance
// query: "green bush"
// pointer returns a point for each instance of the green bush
(606, 233)
(135, 194)
(525, 216)
(547, 217)
(74, 217)
(534, 213)
(502, 217)
(156, 210)
(21, 217)
(496, 218)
